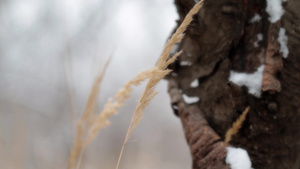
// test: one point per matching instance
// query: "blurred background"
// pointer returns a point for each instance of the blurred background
(50, 53)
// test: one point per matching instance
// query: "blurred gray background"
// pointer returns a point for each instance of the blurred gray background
(50, 53)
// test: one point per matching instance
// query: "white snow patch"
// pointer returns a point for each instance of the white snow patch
(252, 81)
(259, 38)
(185, 63)
(283, 40)
(194, 83)
(238, 158)
(256, 18)
(190, 100)
(275, 10)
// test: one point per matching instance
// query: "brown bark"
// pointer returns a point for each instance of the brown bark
(221, 39)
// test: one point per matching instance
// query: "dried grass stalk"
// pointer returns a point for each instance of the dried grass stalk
(162, 64)
(89, 125)
(118, 100)
(93, 125)
(88, 112)
(236, 125)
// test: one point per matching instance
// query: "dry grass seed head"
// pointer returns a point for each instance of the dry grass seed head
(117, 101)
(236, 125)
(156, 74)
(162, 64)
(87, 115)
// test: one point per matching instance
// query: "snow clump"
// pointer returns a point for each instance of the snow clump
(252, 81)
(283, 40)
(238, 158)
(275, 10)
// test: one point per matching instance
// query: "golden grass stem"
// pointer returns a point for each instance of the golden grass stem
(162, 64)
(80, 158)
(69, 82)
(89, 125)
(236, 125)
(117, 101)
(88, 112)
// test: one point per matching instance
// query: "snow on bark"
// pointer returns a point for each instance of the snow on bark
(259, 38)
(194, 83)
(252, 81)
(256, 18)
(185, 63)
(190, 100)
(238, 158)
(283, 40)
(275, 10)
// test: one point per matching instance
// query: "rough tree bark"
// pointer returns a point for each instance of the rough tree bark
(220, 39)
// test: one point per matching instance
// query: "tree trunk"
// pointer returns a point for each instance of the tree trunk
(221, 39)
